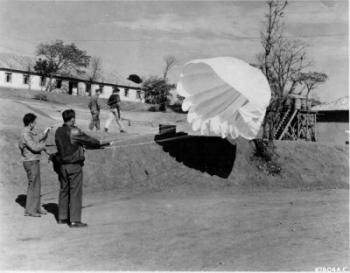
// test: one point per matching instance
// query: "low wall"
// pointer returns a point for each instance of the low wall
(331, 127)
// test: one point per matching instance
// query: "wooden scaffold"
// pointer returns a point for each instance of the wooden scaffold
(297, 123)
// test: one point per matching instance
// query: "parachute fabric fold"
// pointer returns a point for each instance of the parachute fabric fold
(225, 96)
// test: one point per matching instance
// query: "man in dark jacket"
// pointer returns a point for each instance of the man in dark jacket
(70, 142)
(95, 106)
(114, 104)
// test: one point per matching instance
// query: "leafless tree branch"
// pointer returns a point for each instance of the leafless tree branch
(170, 62)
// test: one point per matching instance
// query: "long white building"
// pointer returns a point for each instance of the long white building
(17, 72)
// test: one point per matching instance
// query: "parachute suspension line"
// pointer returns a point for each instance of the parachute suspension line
(143, 134)
(148, 142)
(138, 136)
(152, 131)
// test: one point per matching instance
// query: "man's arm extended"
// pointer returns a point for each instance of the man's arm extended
(78, 136)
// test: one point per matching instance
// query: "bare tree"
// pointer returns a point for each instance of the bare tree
(94, 70)
(29, 75)
(281, 60)
(170, 62)
(284, 65)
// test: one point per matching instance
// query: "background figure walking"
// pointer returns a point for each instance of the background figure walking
(31, 146)
(114, 104)
(95, 106)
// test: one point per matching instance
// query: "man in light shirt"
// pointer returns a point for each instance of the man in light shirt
(31, 146)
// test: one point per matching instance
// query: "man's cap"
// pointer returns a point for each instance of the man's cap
(116, 89)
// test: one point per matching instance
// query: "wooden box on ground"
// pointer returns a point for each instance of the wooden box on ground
(167, 129)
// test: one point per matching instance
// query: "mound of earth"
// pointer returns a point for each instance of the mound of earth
(155, 163)
(183, 203)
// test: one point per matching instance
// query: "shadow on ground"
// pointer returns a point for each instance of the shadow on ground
(50, 207)
(213, 155)
(21, 200)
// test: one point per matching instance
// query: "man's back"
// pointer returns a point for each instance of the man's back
(70, 141)
(114, 101)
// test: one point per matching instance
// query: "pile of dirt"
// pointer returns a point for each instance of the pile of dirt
(212, 162)
(156, 163)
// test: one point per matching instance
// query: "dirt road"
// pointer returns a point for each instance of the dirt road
(182, 229)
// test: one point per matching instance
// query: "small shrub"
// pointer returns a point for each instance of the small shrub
(178, 102)
(155, 108)
(40, 97)
(266, 157)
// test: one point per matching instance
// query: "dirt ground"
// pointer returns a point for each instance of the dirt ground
(183, 230)
(164, 206)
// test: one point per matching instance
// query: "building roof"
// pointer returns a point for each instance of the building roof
(16, 62)
(341, 104)
(25, 63)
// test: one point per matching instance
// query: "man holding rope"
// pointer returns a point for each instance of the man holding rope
(70, 142)
(114, 104)
(31, 146)
(95, 107)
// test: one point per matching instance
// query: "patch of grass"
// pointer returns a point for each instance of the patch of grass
(40, 97)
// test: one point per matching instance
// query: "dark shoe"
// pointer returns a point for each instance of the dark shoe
(34, 214)
(77, 225)
(122, 131)
(61, 222)
(41, 211)
(106, 130)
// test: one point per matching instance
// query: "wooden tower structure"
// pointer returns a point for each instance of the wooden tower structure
(298, 122)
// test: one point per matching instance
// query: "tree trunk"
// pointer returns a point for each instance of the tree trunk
(48, 87)
(29, 82)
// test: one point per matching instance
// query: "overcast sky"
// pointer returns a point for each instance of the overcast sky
(132, 37)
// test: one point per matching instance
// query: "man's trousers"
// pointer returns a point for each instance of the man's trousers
(114, 113)
(34, 186)
(71, 190)
(95, 121)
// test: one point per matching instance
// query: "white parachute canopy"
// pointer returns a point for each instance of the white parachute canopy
(225, 96)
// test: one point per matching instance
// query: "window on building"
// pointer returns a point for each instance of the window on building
(8, 77)
(25, 79)
(126, 92)
(58, 83)
(138, 94)
(42, 81)
(88, 89)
